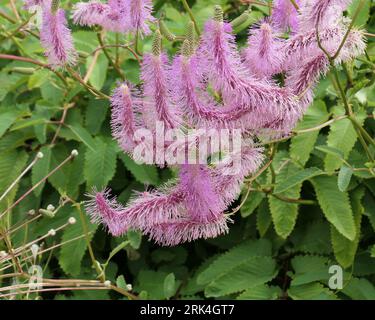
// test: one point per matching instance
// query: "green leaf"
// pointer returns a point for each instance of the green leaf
(296, 179)
(252, 202)
(302, 145)
(261, 292)
(96, 112)
(143, 173)
(41, 169)
(342, 136)
(11, 165)
(311, 291)
(309, 269)
(38, 78)
(100, 163)
(331, 151)
(6, 120)
(135, 238)
(345, 174)
(152, 282)
(252, 272)
(71, 253)
(363, 15)
(120, 282)
(360, 289)
(284, 214)
(233, 258)
(169, 285)
(343, 248)
(335, 205)
(99, 71)
(264, 218)
(70, 176)
(83, 135)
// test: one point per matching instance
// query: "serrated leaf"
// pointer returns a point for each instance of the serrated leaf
(343, 248)
(96, 112)
(99, 71)
(261, 292)
(70, 176)
(6, 120)
(71, 254)
(152, 283)
(284, 214)
(100, 163)
(252, 202)
(169, 285)
(83, 135)
(41, 169)
(135, 238)
(311, 291)
(302, 145)
(309, 269)
(264, 219)
(120, 282)
(342, 136)
(296, 179)
(233, 258)
(360, 289)
(343, 180)
(143, 173)
(331, 151)
(335, 205)
(250, 273)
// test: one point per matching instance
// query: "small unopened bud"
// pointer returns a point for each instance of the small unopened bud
(129, 287)
(72, 220)
(186, 48)
(31, 212)
(51, 207)
(240, 19)
(74, 153)
(55, 6)
(40, 155)
(52, 232)
(47, 213)
(218, 14)
(23, 70)
(3, 254)
(107, 283)
(156, 44)
(165, 31)
(34, 250)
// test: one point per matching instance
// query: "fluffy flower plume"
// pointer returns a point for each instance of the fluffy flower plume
(264, 55)
(90, 13)
(139, 15)
(212, 87)
(56, 37)
(285, 16)
(157, 102)
(32, 4)
(115, 15)
(322, 13)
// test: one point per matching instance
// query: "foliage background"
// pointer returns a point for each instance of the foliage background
(276, 249)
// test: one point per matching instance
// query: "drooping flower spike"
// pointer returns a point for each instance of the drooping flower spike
(55, 36)
(264, 55)
(139, 15)
(90, 13)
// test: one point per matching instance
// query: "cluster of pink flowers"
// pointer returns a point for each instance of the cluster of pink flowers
(179, 94)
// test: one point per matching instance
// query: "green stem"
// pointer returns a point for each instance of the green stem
(188, 10)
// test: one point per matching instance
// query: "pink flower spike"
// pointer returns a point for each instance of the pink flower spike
(157, 102)
(139, 14)
(56, 38)
(90, 13)
(107, 211)
(285, 16)
(33, 4)
(264, 55)
(185, 230)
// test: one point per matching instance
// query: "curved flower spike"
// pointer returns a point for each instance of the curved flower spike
(264, 55)
(56, 38)
(139, 14)
(90, 13)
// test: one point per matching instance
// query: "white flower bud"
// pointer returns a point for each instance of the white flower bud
(51, 207)
(74, 153)
(52, 232)
(72, 220)
(31, 212)
(129, 287)
(40, 155)
(3, 254)
(107, 283)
